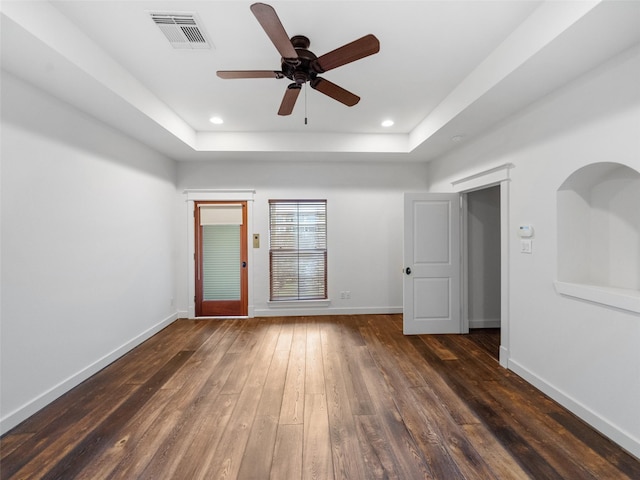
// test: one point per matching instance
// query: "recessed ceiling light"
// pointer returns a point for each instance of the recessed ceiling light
(216, 120)
(457, 138)
(387, 123)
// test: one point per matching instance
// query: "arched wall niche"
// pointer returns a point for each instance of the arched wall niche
(599, 230)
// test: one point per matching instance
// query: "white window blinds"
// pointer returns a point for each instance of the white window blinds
(298, 249)
(220, 262)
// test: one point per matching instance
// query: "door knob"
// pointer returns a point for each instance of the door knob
(407, 270)
(244, 264)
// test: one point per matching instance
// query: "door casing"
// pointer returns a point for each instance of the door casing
(189, 273)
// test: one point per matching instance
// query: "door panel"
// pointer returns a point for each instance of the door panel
(429, 297)
(221, 259)
(432, 288)
(431, 220)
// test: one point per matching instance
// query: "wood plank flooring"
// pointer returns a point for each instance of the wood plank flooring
(340, 397)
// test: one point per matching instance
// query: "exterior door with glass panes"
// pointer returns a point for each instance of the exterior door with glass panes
(221, 259)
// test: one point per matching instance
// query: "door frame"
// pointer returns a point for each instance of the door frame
(221, 305)
(193, 196)
(489, 178)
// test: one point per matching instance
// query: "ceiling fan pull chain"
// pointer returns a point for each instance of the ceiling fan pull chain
(305, 103)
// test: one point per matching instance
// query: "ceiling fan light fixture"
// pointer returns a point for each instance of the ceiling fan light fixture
(216, 120)
(387, 123)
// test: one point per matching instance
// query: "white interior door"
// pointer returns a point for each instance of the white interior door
(432, 261)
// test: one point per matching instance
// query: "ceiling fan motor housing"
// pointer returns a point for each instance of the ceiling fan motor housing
(303, 70)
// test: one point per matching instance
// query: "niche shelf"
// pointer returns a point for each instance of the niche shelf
(599, 235)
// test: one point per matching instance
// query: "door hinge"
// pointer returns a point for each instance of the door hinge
(194, 299)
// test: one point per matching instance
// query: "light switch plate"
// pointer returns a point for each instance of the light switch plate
(526, 245)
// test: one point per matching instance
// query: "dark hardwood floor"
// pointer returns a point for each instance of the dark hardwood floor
(313, 397)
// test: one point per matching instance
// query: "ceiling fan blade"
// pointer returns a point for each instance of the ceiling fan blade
(231, 74)
(268, 18)
(289, 100)
(334, 91)
(363, 47)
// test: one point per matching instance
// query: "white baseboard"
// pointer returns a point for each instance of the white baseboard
(293, 311)
(615, 433)
(25, 411)
(484, 323)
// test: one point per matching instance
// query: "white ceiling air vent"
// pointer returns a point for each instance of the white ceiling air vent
(183, 30)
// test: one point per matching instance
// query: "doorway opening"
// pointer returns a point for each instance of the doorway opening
(483, 267)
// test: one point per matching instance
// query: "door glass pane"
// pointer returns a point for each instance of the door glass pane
(221, 262)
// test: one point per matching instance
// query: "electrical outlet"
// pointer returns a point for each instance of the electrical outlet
(347, 294)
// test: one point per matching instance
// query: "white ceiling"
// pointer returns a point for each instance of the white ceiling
(445, 69)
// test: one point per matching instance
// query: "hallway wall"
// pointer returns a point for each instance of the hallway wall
(581, 353)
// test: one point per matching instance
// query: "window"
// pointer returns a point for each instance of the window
(298, 249)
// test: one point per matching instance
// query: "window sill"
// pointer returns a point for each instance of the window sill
(299, 303)
(613, 297)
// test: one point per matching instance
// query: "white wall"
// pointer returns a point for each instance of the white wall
(364, 224)
(87, 247)
(585, 355)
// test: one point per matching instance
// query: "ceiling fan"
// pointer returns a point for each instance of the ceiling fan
(301, 65)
